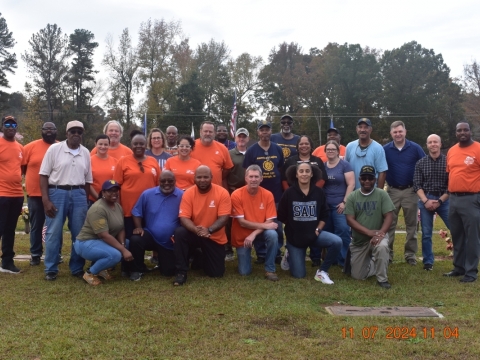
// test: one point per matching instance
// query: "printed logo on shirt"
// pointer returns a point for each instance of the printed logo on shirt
(268, 165)
(217, 152)
(113, 168)
(261, 206)
(154, 172)
(469, 160)
(212, 204)
(20, 155)
(367, 206)
(304, 211)
(190, 172)
(286, 152)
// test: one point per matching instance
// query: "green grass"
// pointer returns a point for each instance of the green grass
(233, 317)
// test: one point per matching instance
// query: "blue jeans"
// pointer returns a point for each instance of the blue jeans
(296, 255)
(37, 220)
(269, 238)
(426, 220)
(260, 249)
(71, 204)
(103, 255)
(337, 224)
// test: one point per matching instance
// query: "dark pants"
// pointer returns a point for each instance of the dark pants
(129, 226)
(37, 221)
(10, 210)
(138, 246)
(213, 253)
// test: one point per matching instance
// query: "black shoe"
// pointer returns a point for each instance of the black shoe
(467, 279)
(125, 274)
(79, 274)
(51, 276)
(154, 260)
(11, 269)
(180, 279)
(428, 267)
(316, 263)
(453, 273)
(385, 284)
(35, 260)
(411, 262)
(135, 276)
(261, 260)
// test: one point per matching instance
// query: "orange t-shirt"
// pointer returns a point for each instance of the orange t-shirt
(256, 208)
(463, 167)
(205, 209)
(184, 171)
(11, 155)
(133, 181)
(117, 153)
(320, 152)
(215, 156)
(33, 154)
(102, 170)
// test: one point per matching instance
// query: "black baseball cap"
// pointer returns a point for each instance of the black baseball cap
(364, 120)
(367, 170)
(333, 129)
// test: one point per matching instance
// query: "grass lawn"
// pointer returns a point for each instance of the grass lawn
(233, 317)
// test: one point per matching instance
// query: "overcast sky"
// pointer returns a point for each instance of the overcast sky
(255, 26)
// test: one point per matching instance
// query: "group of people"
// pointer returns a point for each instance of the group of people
(197, 203)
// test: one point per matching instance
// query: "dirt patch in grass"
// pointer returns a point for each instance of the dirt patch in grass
(288, 325)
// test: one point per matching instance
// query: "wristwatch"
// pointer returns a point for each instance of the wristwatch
(210, 230)
(440, 201)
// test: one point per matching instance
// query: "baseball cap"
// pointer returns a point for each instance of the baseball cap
(286, 116)
(367, 170)
(264, 123)
(242, 131)
(9, 118)
(74, 124)
(364, 120)
(107, 185)
(333, 129)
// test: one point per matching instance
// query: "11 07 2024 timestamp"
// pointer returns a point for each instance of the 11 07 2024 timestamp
(400, 332)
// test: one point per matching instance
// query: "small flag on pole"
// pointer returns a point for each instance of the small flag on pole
(192, 134)
(233, 121)
(331, 123)
(145, 125)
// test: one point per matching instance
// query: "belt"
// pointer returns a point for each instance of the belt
(435, 193)
(464, 193)
(402, 187)
(65, 187)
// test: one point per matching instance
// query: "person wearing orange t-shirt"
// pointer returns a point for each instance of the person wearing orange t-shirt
(32, 160)
(103, 167)
(11, 192)
(213, 154)
(135, 173)
(332, 134)
(204, 212)
(114, 130)
(253, 213)
(463, 168)
(182, 165)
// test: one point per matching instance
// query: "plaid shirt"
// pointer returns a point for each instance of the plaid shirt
(430, 175)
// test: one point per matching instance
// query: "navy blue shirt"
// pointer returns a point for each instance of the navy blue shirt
(270, 163)
(160, 214)
(401, 163)
(289, 146)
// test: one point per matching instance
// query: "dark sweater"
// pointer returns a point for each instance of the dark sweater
(301, 214)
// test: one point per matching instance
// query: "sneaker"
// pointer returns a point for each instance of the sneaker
(384, 284)
(125, 274)
(323, 277)
(105, 275)
(428, 267)
(284, 264)
(51, 276)
(412, 262)
(135, 276)
(91, 279)
(271, 276)
(79, 275)
(11, 269)
(60, 259)
(229, 257)
(180, 279)
(35, 260)
(154, 260)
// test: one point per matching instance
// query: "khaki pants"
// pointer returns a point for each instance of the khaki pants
(406, 199)
(368, 260)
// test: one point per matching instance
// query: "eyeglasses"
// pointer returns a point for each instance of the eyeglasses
(331, 149)
(10, 125)
(367, 178)
(167, 181)
(184, 146)
(49, 129)
(75, 131)
(141, 167)
(156, 138)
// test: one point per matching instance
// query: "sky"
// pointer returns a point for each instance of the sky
(256, 26)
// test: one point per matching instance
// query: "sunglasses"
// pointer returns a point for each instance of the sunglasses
(367, 178)
(361, 152)
(10, 125)
(75, 131)
(167, 181)
(141, 167)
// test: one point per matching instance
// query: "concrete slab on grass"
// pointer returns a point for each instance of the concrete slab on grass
(403, 311)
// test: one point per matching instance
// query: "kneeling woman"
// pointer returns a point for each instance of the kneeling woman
(102, 238)
(304, 211)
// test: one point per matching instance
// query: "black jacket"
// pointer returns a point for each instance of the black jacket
(301, 214)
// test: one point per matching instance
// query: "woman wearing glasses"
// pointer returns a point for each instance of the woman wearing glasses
(304, 211)
(182, 165)
(156, 141)
(135, 173)
(340, 183)
(103, 166)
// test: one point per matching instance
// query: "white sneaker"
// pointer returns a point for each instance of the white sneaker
(323, 277)
(284, 264)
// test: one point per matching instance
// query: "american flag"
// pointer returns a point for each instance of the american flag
(233, 120)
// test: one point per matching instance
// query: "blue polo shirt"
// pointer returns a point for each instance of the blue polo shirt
(401, 163)
(160, 214)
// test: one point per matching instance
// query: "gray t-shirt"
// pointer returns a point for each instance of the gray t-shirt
(335, 187)
(100, 218)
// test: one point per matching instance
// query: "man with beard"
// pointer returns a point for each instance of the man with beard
(172, 136)
(204, 211)
(11, 192)
(213, 154)
(222, 135)
(114, 130)
(286, 139)
(463, 167)
(155, 216)
(32, 160)
(65, 178)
